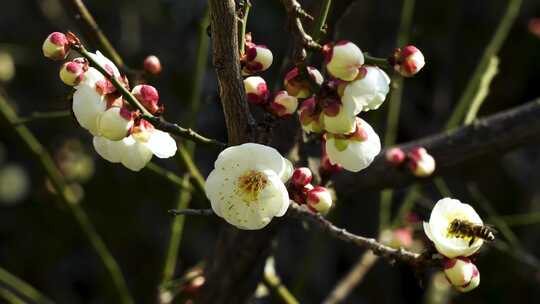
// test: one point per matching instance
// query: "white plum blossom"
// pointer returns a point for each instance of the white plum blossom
(343, 60)
(115, 123)
(246, 187)
(136, 150)
(368, 92)
(88, 105)
(437, 229)
(355, 152)
(336, 119)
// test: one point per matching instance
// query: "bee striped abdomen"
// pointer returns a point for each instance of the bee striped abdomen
(465, 229)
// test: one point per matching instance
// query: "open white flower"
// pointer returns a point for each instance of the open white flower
(136, 150)
(368, 92)
(356, 152)
(88, 105)
(246, 187)
(437, 230)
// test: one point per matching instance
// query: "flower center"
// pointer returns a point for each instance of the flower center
(250, 184)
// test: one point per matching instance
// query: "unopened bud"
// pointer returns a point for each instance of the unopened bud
(256, 90)
(258, 58)
(319, 199)
(72, 72)
(400, 237)
(283, 104)
(301, 177)
(56, 46)
(420, 162)
(462, 273)
(395, 156)
(309, 116)
(299, 87)
(115, 123)
(336, 119)
(343, 60)
(407, 61)
(148, 96)
(152, 65)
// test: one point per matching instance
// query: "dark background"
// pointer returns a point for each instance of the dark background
(41, 243)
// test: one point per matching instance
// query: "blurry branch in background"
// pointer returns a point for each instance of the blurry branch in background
(168, 175)
(490, 51)
(349, 282)
(36, 116)
(65, 194)
(20, 289)
(186, 153)
(492, 135)
(483, 90)
(91, 27)
(273, 282)
(394, 105)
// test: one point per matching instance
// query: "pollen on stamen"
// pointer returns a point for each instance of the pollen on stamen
(250, 184)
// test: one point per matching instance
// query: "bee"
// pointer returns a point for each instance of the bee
(463, 229)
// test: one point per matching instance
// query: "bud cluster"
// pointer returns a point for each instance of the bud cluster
(317, 198)
(117, 127)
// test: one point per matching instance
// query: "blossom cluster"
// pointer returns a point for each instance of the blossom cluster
(457, 245)
(120, 134)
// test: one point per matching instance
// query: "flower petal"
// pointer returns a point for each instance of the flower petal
(87, 106)
(136, 155)
(110, 150)
(162, 144)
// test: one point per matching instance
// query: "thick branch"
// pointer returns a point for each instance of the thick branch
(493, 135)
(226, 58)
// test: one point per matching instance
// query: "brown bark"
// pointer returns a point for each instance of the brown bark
(493, 135)
(235, 268)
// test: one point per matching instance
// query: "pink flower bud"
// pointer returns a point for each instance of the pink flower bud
(148, 96)
(319, 199)
(407, 61)
(72, 72)
(309, 116)
(301, 177)
(343, 60)
(256, 90)
(421, 163)
(462, 273)
(400, 237)
(299, 87)
(395, 156)
(152, 65)
(283, 104)
(258, 58)
(56, 46)
(115, 123)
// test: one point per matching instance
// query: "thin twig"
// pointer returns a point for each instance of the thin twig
(23, 288)
(347, 284)
(275, 285)
(302, 213)
(159, 123)
(204, 212)
(506, 22)
(36, 116)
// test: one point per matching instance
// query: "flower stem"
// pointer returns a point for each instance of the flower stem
(491, 50)
(320, 21)
(22, 288)
(243, 27)
(157, 122)
(381, 62)
(92, 25)
(35, 116)
(67, 197)
(274, 283)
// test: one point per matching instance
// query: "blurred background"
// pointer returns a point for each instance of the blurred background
(41, 243)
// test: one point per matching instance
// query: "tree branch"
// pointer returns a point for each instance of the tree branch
(493, 135)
